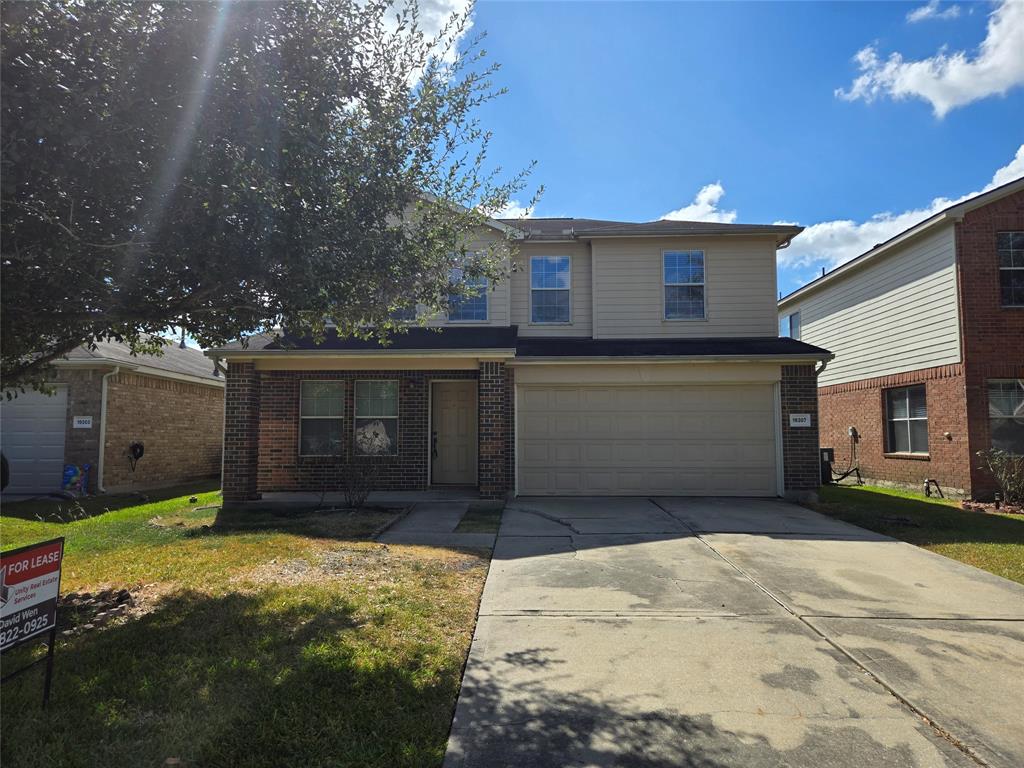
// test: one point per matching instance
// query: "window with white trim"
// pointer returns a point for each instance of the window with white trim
(321, 417)
(550, 280)
(1006, 414)
(684, 285)
(471, 307)
(1010, 246)
(790, 325)
(906, 420)
(375, 420)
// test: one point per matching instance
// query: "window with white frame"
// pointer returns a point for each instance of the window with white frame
(471, 307)
(906, 420)
(1010, 246)
(1006, 414)
(790, 325)
(321, 417)
(684, 285)
(550, 279)
(375, 420)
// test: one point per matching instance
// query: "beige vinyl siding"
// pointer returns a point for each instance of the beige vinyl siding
(579, 292)
(897, 314)
(739, 287)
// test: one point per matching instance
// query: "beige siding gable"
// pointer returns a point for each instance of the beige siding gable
(739, 287)
(897, 314)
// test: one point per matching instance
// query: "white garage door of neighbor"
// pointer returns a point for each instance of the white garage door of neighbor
(640, 440)
(32, 435)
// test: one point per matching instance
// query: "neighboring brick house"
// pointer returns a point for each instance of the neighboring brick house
(928, 333)
(614, 358)
(173, 404)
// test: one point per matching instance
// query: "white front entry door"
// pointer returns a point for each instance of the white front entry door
(453, 419)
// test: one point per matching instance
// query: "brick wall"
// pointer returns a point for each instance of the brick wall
(799, 394)
(279, 467)
(241, 422)
(993, 336)
(179, 423)
(861, 404)
(82, 446)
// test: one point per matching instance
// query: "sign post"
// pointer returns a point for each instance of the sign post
(29, 587)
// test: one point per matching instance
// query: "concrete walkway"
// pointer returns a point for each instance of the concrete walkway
(433, 524)
(726, 632)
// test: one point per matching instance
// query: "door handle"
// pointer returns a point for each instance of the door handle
(433, 444)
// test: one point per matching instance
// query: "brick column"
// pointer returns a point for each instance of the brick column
(801, 465)
(495, 415)
(241, 433)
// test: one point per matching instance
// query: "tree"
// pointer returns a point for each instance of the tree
(227, 168)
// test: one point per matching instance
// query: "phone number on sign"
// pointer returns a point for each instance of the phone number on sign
(30, 627)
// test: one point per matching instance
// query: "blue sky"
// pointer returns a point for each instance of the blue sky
(631, 109)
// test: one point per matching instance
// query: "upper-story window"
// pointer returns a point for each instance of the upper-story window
(1011, 268)
(789, 325)
(471, 307)
(550, 278)
(684, 285)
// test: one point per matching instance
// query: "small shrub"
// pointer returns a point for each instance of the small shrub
(358, 478)
(1008, 471)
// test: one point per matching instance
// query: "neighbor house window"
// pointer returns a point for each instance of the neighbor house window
(376, 418)
(321, 417)
(472, 307)
(684, 285)
(1011, 268)
(790, 326)
(404, 314)
(1006, 414)
(907, 418)
(549, 289)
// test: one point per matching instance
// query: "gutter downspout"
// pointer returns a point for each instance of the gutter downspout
(820, 368)
(103, 427)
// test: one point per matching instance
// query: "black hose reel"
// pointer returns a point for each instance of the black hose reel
(135, 451)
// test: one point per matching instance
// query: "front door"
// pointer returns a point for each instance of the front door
(453, 438)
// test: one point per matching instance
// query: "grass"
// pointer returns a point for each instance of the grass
(480, 519)
(991, 541)
(263, 640)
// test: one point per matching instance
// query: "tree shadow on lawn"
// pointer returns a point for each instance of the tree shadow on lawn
(274, 679)
(52, 509)
(918, 521)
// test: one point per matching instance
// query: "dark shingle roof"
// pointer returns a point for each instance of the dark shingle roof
(189, 361)
(569, 228)
(759, 346)
(421, 339)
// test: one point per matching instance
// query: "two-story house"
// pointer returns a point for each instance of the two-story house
(615, 358)
(928, 334)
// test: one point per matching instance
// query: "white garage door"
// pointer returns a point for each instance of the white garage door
(640, 440)
(32, 434)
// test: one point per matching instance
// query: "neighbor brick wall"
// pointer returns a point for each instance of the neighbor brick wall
(179, 423)
(241, 435)
(280, 468)
(861, 404)
(799, 394)
(82, 446)
(993, 335)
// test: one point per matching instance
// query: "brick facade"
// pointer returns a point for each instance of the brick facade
(82, 446)
(861, 404)
(800, 461)
(178, 422)
(992, 335)
(241, 433)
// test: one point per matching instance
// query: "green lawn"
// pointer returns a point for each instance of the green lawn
(994, 542)
(261, 640)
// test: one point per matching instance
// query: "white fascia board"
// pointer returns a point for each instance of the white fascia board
(146, 370)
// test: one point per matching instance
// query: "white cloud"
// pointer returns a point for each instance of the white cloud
(931, 11)
(831, 243)
(704, 207)
(513, 210)
(946, 80)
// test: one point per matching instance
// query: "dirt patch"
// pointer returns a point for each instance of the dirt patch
(80, 612)
(990, 507)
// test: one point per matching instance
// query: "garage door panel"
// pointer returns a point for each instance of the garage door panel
(647, 439)
(32, 431)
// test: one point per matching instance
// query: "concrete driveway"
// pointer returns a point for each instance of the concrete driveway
(729, 632)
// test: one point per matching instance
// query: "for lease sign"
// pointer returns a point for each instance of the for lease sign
(29, 585)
